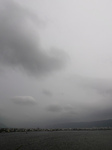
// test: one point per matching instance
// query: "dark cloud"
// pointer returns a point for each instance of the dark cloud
(64, 109)
(47, 92)
(54, 108)
(99, 113)
(69, 109)
(102, 89)
(19, 43)
(24, 100)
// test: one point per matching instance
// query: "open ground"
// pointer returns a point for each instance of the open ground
(57, 140)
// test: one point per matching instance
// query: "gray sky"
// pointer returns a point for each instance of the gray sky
(55, 61)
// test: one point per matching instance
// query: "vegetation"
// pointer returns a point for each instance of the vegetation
(61, 129)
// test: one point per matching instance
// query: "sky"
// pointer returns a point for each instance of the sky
(55, 61)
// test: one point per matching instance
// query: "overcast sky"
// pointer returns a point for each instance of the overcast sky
(55, 61)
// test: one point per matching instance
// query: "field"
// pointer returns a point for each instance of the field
(57, 140)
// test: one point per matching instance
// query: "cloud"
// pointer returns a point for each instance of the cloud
(102, 86)
(19, 42)
(59, 108)
(24, 100)
(69, 109)
(99, 114)
(47, 92)
(54, 108)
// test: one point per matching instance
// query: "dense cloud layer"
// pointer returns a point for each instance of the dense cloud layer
(101, 86)
(47, 92)
(24, 100)
(19, 44)
(54, 108)
(81, 92)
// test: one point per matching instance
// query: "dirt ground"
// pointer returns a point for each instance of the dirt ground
(57, 140)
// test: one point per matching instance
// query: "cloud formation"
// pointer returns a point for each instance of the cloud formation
(101, 86)
(47, 92)
(19, 43)
(24, 100)
(54, 108)
(59, 108)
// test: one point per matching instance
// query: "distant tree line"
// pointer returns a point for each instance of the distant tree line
(26, 130)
